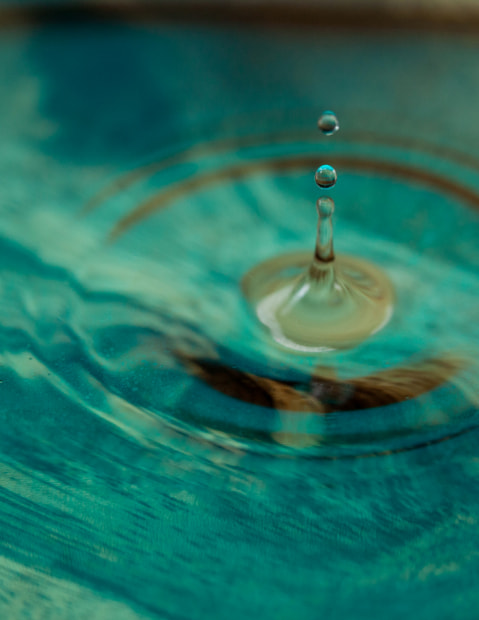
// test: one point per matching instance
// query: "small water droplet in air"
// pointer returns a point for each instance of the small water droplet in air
(325, 206)
(326, 177)
(328, 123)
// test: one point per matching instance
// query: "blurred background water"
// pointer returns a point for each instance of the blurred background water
(148, 159)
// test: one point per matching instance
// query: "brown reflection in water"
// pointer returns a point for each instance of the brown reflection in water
(345, 162)
(325, 393)
(227, 144)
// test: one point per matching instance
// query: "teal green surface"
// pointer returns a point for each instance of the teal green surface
(128, 488)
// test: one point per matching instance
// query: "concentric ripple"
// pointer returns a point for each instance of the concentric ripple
(161, 343)
(174, 341)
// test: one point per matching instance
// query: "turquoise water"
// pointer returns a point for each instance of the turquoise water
(131, 486)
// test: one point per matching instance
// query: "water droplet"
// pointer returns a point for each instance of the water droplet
(325, 206)
(328, 123)
(326, 177)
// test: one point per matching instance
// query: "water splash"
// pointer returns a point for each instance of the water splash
(315, 305)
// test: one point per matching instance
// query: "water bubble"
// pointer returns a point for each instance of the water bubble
(326, 177)
(328, 123)
(325, 206)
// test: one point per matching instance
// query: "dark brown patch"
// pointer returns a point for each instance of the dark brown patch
(379, 17)
(325, 393)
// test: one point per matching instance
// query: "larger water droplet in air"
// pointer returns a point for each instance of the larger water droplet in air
(326, 177)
